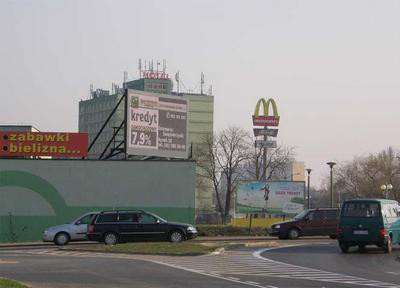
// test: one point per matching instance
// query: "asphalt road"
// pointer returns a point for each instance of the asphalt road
(316, 263)
(372, 264)
(59, 272)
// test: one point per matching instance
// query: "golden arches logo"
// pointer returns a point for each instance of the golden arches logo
(266, 107)
(266, 119)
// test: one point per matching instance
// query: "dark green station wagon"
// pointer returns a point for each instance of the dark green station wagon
(369, 222)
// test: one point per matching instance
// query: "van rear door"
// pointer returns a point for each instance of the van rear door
(361, 221)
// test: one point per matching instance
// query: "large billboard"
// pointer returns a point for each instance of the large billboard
(272, 197)
(156, 125)
(55, 144)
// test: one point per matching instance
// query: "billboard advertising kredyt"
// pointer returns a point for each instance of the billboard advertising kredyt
(156, 125)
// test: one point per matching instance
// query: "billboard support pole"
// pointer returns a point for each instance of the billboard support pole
(119, 151)
(106, 122)
(111, 140)
(126, 123)
(251, 218)
(265, 159)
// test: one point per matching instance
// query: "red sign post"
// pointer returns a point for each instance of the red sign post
(56, 144)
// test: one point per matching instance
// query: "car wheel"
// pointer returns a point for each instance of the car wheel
(176, 236)
(344, 248)
(110, 238)
(388, 246)
(61, 239)
(294, 233)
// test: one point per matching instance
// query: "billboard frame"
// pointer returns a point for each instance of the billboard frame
(129, 151)
(275, 181)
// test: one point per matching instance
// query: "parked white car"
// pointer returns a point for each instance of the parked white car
(74, 231)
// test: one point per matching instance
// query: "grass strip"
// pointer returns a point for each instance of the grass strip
(180, 249)
(6, 283)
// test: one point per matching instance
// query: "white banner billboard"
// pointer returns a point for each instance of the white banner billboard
(272, 197)
(156, 125)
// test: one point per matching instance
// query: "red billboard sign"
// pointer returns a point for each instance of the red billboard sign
(266, 120)
(56, 144)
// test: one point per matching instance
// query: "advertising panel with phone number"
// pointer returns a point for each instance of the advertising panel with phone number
(156, 125)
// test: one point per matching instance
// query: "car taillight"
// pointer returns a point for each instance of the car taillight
(339, 230)
(382, 232)
(90, 228)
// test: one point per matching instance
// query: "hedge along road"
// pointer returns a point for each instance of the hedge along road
(372, 265)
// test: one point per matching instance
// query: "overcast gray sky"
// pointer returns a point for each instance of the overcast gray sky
(332, 66)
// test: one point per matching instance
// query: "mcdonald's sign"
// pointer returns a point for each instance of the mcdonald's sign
(266, 119)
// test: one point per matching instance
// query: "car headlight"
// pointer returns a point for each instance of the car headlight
(191, 229)
(277, 226)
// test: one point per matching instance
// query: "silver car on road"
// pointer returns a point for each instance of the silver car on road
(74, 231)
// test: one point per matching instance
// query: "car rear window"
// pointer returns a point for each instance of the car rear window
(361, 209)
(332, 214)
(107, 218)
(86, 219)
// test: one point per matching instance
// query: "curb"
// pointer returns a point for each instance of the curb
(198, 239)
(41, 244)
(243, 240)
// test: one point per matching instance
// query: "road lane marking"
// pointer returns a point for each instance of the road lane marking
(319, 275)
(8, 262)
(208, 274)
(252, 282)
(234, 278)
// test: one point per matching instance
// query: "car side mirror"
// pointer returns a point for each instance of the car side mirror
(158, 221)
(78, 223)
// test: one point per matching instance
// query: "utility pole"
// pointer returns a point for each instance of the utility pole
(331, 164)
(265, 157)
(308, 188)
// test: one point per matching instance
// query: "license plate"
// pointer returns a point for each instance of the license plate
(360, 232)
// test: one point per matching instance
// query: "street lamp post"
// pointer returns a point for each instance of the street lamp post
(331, 164)
(386, 189)
(308, 188)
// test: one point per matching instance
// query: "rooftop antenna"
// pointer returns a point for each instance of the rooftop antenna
(158, 64)
(140, 68)
(201, 83)
(91, 91)
(125, 78)
(210, 90)
(145, 65)
(164, 65)
(177, 81)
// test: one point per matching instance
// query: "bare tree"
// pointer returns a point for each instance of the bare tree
(221, 159)
(362, 177)
(277, 160)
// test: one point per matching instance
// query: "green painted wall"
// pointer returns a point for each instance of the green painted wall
(36, 194)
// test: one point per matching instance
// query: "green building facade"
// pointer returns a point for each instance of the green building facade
(36, 194)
